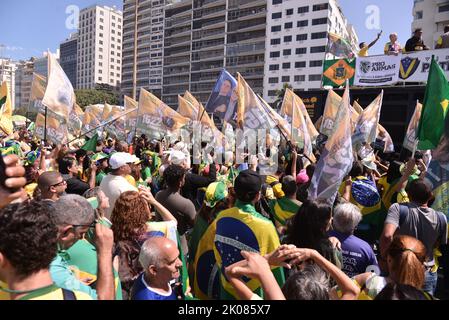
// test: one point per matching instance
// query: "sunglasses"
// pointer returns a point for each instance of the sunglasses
(63, 182)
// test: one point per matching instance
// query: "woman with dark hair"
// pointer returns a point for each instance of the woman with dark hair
(132, 226)
(309, 227)
(405, 261)
(394, 291)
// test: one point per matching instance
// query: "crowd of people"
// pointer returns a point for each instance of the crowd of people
(138, 221)
(415, 43)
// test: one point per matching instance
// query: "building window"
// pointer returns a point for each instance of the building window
(287, 52)
(275, 54)
(275, 41)
(276, 15)
(301, 37)
(101, 35)
(274, 67)
(101, 27)
(100, 71)
(300, 64)
(288, 39)
(286, 65)
(319, 7)
(113, 24)
(319, 35)
(302, 23)
(273, 80)
(289, 12)
(276, 28)
(315, 77)
(286, 79)
(100, 79)
(443, 8)
(300, 78)
(301, 50)
(277, 1)
(319, 21)
(100, 57)
(272, 93)
(317, 49)
(101, 20)
(101, 13)
(316, 63)
(288, 25)
(303, 9)
(418, 15)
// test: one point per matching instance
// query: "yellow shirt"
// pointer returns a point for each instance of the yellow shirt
(48, 293)
(131, 180)
(363, 52)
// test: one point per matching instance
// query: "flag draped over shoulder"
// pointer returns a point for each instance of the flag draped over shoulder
(333, 102)
(366, 128)
(156, 116)
(59, 95)
(131, 118)
(410, 141)
(251, 113)
(5, 101)
(336, 159)
(339, 47)
(336, 72)
(435, 106)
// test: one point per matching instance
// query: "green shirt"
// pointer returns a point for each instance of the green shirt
(99, 177)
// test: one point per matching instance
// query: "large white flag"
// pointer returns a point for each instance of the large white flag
(336, 158)
(59, 95)
(366, 128)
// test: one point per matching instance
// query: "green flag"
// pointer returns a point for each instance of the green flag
(436, 101)
(91, 145)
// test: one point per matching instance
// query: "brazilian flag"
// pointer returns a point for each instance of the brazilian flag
(283, 209)
(83, 262)
(242, 228)
(336, 72)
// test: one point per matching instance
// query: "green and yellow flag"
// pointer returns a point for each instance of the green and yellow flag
(435, 106)
(336, 72)
(5, 101)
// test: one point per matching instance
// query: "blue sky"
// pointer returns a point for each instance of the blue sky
(30, 27)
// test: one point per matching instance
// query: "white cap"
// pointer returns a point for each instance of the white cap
(176, 157)
(369, 164)
(120, 159)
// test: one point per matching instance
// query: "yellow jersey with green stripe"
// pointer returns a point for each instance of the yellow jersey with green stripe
(283, 209)
(51, 292)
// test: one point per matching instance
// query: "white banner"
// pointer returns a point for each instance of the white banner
(415, 66)
(377, 70)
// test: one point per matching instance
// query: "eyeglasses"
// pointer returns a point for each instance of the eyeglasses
(63, 182)
(92, 225)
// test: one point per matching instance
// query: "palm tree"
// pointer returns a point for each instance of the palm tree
(280, 95)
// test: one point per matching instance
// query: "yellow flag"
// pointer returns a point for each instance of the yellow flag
(383, 135)
(301, 130)
(56, 131)
(410, 140)
(106, 115)
(278, 120)
(187, 109)
(38, 87)
(5, 100)
(75, 120)
(92, 118)
(190, 98)
(59, 95)
(250, 112)
(366, 128)
(357, 107)
(287, 110)
(131, 118)
(333, 102)
(156, 116)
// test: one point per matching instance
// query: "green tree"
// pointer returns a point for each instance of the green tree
(280, 95)
(85, 98)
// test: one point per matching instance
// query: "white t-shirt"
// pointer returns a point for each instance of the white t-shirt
(113, 187)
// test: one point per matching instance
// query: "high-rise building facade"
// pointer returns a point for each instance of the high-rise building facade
(296, 42)
(99, 51)
(8, 74)
(41, 64)
(68, 51)
(150, 31)
(431, 16)
(23, 80)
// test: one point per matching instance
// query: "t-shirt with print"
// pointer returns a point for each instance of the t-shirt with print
(357, 254)
(53, 293)
(421, 223)
(142, 291)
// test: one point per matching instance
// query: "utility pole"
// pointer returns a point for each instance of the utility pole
(134, 93)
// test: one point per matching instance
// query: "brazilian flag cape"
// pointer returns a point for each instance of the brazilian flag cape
(83, 263)
(283, 209)
(242, 228)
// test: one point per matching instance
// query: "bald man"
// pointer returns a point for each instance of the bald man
(52, 185)
(159, 258)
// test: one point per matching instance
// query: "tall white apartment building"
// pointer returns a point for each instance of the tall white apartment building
(431, 16)
(8, 74)
(23, 80)
(149, 28)
(99, 47)
(296, 42)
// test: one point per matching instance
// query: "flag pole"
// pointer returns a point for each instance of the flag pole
(102, 125)
(45, 125)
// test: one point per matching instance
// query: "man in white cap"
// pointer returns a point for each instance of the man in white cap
(114, 184)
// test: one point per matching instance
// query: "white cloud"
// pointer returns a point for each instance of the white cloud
(13, 48)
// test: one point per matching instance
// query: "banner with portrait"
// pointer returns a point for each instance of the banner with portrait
(223, 100)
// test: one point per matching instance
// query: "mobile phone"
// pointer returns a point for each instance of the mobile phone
(3, 176)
